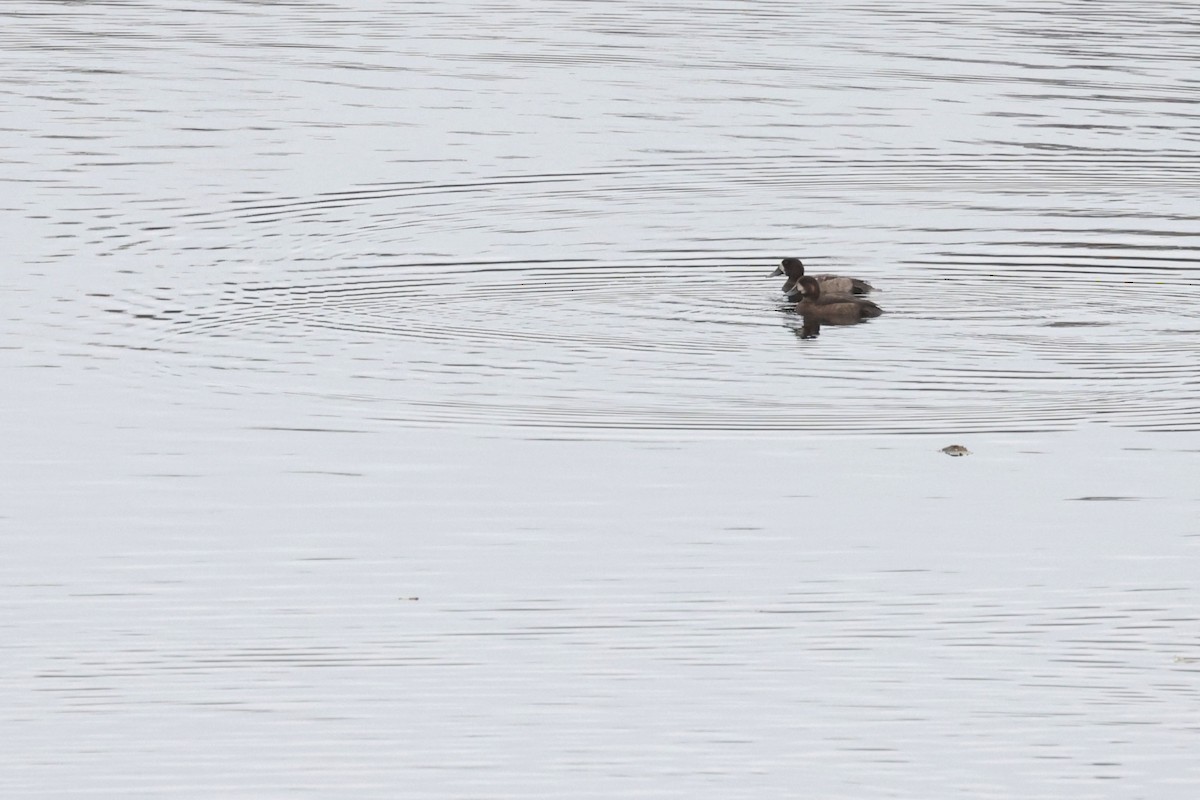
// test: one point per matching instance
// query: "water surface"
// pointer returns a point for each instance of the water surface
(396, 402)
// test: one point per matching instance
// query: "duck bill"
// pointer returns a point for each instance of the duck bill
(778, 271)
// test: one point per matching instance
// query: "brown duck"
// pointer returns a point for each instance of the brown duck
(794, 269)
(831, 307)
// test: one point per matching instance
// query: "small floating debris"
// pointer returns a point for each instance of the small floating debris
(956, 450)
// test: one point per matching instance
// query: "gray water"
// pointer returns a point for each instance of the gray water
(395, 403)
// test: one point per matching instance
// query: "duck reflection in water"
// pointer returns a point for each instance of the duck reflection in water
(817, 307)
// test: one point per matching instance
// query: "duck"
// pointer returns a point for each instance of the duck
(794, 269)
(831, 307)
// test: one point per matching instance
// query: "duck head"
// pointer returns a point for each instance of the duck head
(794, 269)
(809, 288)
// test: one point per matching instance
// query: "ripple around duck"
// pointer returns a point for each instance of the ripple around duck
(706, 346)
(1026, 315)
(396, 205)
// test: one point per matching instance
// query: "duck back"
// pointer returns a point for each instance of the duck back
(839, 284)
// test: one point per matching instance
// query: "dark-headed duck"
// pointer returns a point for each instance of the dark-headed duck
(794, 269)
(832, 307)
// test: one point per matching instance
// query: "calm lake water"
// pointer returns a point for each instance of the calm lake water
(396, 403)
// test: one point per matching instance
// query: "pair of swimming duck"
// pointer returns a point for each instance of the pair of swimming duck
(826, 298)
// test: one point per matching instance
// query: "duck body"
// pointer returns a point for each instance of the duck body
(838, 284)
(833, 308)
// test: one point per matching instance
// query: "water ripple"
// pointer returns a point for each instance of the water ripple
(706, 345)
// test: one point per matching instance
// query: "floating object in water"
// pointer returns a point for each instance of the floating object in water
(794, 269)
(836, 309)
